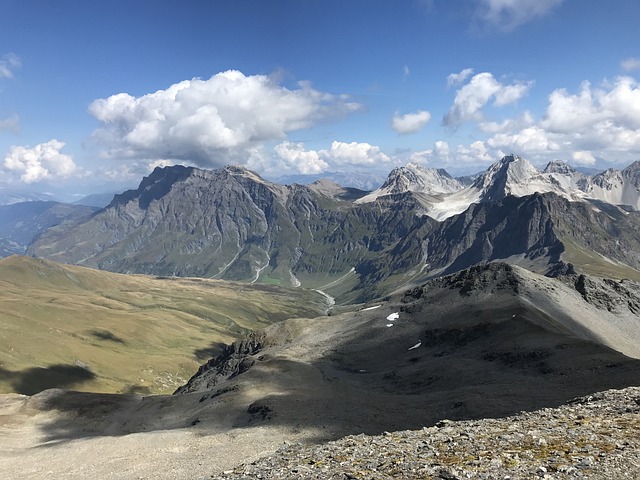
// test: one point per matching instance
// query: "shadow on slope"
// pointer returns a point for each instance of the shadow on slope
(34, 380)
(459, 348)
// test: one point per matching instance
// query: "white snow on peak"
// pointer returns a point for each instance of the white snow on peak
(445, 196)
(392, 317)
(417, 345)
(415, 178)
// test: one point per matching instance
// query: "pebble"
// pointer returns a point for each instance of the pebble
(595, 437)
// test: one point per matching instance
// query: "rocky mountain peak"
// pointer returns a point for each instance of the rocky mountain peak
(632, 172)
(558, 166)
(416, 178)
(509, 176)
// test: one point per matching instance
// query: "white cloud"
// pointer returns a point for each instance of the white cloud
(476, 153)
(410, 122)
(630, 64)
(526, 141)
(472, 97)
(594, 111)
(42, 162)
(583, 158)
(508, 125)
(9, 63)
(459, 78)
(405, 71)
(354, 153)
(11, 124)
(292, 156)
(506, 15)
(592, 123)
(300, 160)
(439, 152)
(442, 153)
(211, 122)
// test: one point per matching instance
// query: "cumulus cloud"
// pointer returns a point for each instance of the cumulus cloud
(595, 111)
(354, 153)
(583, 157)
(458, 78)
(507, 15)
(300, 160)
(410, 122)
(439, 152)
(602, 122)
(211, 122)
(9, 63)
(42, 162)
(444, 154)
(478, 92)
(630, 64)
(294, 156)
(526, 141)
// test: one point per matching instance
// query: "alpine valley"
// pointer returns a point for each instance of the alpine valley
(327, 320)
(355, 245)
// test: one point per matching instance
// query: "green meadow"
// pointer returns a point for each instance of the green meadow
(74, 327)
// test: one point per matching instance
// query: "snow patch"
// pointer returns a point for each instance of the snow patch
(417, 345)
(371, 308)
(393, 317)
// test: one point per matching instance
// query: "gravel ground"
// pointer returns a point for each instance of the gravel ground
(595, 437)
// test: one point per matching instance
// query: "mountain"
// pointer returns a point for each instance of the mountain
(617, 187)
(415, 178)
(75, 327)
(484, 343)
(541, 232)
(234, 225)
(21, 223)
(512, 175)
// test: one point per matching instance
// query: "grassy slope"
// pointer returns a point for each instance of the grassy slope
(92, 330)
(593, 264)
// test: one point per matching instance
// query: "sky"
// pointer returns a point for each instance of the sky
(94, 95)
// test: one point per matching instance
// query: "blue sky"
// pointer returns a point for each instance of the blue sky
(93, 95)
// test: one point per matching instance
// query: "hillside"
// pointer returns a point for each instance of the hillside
(74, 327)
(489, 341)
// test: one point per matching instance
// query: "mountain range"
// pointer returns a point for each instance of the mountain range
(428, 300)
(352, 244)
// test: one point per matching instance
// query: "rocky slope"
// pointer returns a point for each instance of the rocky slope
(594, 437)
